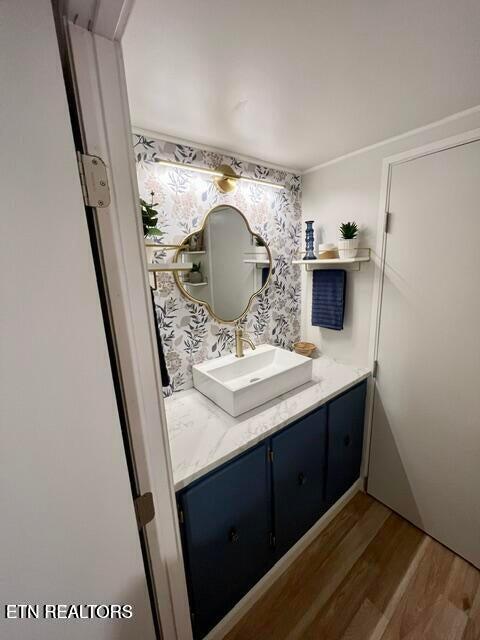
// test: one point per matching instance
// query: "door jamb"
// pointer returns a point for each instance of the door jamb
(103, 80)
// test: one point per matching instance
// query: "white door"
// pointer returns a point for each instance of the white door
(68, 532)
(425, 449)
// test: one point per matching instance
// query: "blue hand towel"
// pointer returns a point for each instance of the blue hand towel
(328, 298)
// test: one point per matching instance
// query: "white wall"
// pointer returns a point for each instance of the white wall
(350, 190)
(68, 532)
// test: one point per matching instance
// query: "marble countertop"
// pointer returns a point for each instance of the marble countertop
(202, 436)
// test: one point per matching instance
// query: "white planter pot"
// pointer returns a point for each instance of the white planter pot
(348, 248)
(260, 253)
(195, 277)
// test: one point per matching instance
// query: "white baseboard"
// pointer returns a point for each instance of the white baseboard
(256, 592)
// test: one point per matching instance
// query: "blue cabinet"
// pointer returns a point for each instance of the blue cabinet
(298, 477)
(226, 535)
(230, 515)
(345, 441)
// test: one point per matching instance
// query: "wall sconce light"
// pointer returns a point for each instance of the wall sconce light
(224, 176)
(228, 181)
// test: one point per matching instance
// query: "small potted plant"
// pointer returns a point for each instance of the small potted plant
(195, 275)
(150, 219)
(348, 243)
(150, 229)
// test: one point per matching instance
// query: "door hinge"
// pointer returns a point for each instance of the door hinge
(388, 220)
(270, 455)
(94, 180)
(272, 540)
(375, 369)
(144, 509)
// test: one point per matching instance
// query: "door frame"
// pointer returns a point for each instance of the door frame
(380, 256)
(101, 93)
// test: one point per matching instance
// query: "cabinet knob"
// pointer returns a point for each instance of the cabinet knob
(233, 535)
(302, 479)
(346, 441)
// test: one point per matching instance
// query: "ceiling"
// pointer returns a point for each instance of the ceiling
(299, 82)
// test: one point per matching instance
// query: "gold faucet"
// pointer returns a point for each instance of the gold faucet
(239, 340)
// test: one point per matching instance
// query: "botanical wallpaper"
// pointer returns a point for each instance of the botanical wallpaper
(183, 198)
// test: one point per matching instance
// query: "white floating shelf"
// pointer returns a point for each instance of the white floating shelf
(169, 266)
(196, 253)
(195, 284)
(331, 261)
(253, 261)
(310, 265)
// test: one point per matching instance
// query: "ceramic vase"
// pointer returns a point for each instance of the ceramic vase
(309, 241)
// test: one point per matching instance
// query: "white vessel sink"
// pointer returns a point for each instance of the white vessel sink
(240, 384)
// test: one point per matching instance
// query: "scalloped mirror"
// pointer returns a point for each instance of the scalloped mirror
(231, 264)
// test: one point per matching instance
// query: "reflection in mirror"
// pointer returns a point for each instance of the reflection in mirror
(230, 264)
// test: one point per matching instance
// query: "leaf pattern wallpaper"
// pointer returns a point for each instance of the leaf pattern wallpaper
(183, 199)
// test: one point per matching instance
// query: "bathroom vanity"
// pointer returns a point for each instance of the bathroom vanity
(267, 441)
(248, 488)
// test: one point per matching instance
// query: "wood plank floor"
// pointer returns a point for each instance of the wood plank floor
(370, 575)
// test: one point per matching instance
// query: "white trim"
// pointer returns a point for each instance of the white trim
(102, 99)
(106, 18)
(199, 145)
(412, 132)
(379, 256)
(433, 147)
(256, 592)
(111, 18)
(401, 136)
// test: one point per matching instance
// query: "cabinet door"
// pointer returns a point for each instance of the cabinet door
(298, 478)
(345, 441)
(227, 527)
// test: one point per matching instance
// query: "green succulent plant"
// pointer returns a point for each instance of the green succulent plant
(150, 219)
(348, 230)
(196, 266)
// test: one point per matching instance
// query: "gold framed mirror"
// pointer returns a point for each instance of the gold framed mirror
(231, 264)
